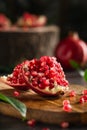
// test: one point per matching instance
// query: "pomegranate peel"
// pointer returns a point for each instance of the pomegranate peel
(71, 48)
(18, 86)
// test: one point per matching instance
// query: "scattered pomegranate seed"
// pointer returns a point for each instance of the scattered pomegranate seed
(84, 92)
(16, 93)
(31, 122)
(72, 93)
(83, 99)
(66, 102)
(64, 124)
(67, 108)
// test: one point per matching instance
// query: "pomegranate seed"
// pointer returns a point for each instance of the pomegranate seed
(64, 124)
(84, 92)
(72, 93)
(44, 72)
(82, 100)
(67, 108)
(34, 73)
(14, 81)
(31, 122)
(16, 93)
(66, 102)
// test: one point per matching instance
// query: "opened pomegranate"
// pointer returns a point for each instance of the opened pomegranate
(31, 20)
(45, 76)
(71, 48)
(16, 79)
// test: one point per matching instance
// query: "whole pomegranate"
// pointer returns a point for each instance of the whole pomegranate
(71, 48)
(5, 23)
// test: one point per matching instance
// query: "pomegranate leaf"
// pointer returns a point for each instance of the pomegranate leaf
(15, 103)
(85, 75)
(74, 64)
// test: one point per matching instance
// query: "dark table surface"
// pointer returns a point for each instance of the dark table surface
(10, 123)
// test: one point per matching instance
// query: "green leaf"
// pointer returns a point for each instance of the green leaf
(74, 64)
(85, 75)
(15, 103)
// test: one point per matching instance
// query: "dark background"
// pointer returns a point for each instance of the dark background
(67, 14)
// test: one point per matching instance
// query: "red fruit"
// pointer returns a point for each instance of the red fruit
(40, 21)
(45, 76)
(71, 48)
(16, 93)
(31, 20)
(66, 102)
(67, 108)
(72, 93)
(84, 92)
(31, 122)
(83, 99)
(64, 124)
(4, 22)
(16, 79)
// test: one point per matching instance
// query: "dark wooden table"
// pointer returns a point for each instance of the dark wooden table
(10, 123)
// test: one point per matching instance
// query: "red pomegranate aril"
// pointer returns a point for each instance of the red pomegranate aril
(41, 86)
(16, 79)
(72, 93)
(34, 73)
(16, 93)
(82, 100)
(31, 122)
(34, 83)
(45, 81)
(67, 108)
(66, 102)
(64, 124)
(27, 73)
(84, 92)
(21, 81)
(85, 97)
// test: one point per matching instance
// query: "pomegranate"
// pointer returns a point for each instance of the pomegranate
(45, 76)
(31, 20)
(71, 48)
(16, 79)
(5, 23)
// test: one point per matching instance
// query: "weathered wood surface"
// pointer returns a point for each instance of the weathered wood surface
(44, 109)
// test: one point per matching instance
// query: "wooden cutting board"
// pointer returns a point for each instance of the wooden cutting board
(49, 110)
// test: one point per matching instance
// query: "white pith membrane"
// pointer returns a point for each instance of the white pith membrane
(5, 79)
(58, 89)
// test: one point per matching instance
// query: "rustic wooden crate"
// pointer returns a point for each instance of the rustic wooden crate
(18, 45)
